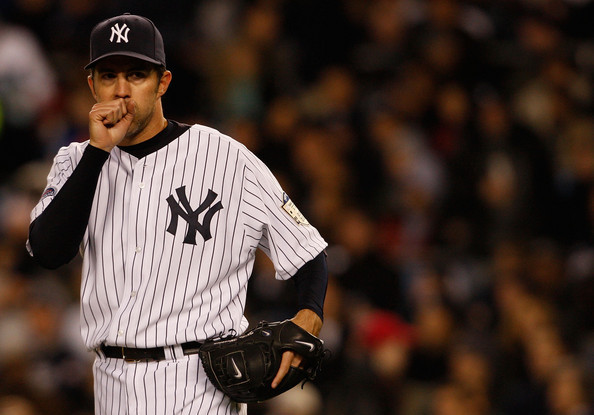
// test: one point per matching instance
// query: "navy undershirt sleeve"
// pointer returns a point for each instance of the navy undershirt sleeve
(56, 234)
(311, 281)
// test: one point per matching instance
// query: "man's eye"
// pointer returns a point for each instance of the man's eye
(137, 75)
(107, 75)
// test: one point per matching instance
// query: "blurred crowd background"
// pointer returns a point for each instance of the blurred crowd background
(444, 148)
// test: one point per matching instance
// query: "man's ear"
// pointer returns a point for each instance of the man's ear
(164, 83)
(92, 86)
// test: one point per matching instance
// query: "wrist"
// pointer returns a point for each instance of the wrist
(95, 156)
(308, 320)
(107, 149)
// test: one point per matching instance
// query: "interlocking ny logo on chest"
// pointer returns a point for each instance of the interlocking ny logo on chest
(183, 209)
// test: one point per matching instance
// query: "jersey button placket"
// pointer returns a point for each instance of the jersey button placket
(138, 191)
(138, 248)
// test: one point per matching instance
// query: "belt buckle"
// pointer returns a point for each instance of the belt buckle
(126, 359)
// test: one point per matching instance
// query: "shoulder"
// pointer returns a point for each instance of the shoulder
(215, 136)
(73, 150)
(68, 157)
(75, 146)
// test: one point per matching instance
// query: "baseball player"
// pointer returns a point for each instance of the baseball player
(167, 217)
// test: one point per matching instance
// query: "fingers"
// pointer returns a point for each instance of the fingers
(111, 112)
(109, 122)
(283, 369)
(130, 108)
(289, 359)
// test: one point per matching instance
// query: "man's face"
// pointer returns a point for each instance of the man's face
(129, 78)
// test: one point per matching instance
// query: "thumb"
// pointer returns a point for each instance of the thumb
(121, 127)
(131, 110)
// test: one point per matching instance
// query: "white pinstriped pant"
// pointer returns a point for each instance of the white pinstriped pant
(176, 386)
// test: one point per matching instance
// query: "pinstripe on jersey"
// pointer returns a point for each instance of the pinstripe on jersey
(144, 282)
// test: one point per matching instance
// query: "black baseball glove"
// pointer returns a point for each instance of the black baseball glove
(244, 366)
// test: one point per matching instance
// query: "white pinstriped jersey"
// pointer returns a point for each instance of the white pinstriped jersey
(172, 236)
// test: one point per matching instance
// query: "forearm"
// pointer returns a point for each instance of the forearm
(311, 282)
(56, 234)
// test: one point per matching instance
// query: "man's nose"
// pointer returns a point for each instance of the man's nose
(122, 88)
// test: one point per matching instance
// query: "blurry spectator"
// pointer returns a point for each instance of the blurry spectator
(471, 366)
(567, 391)
(377, 360)
(16, 405)
(356, 263)
(434, 324)
(27, 86)
(453, 399)
(575, 181)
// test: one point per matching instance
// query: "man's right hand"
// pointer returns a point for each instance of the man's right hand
(109, 121)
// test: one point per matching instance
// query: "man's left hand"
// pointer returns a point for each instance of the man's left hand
(309, 321)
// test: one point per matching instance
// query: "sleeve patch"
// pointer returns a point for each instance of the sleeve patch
(50, 191)
(292, 210)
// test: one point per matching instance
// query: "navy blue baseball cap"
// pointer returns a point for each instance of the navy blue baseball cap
(127, 35)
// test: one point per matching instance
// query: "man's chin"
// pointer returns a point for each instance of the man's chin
(131, 133)
(137, 126)
(134, 130)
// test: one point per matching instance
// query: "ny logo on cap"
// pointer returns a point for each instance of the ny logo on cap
(121, 34)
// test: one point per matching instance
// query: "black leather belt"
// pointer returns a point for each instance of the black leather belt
(131, 354)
